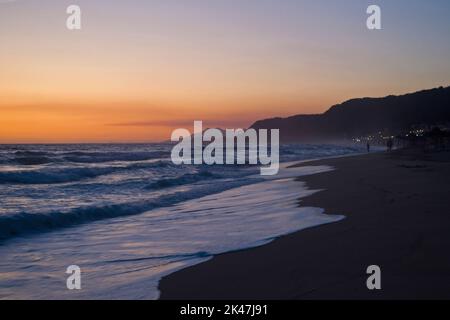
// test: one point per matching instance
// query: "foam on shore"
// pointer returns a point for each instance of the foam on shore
(126, 257)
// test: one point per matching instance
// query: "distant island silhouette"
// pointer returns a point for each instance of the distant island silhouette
(361, 117)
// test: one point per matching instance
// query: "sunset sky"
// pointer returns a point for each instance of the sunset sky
(139, 69)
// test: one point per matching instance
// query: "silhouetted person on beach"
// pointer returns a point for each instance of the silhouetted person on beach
(368, 147)
(390, 144)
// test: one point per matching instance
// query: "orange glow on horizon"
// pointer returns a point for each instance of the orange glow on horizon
(115, 122)
(135, 72)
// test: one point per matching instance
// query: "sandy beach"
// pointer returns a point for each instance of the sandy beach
(397, 217)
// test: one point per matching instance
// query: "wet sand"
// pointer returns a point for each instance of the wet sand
(397, 209)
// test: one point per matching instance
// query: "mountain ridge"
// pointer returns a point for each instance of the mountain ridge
(363, 116)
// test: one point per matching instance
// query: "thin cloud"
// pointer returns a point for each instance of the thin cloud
(182, 123)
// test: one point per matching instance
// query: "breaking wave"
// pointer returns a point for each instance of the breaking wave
(69, 174)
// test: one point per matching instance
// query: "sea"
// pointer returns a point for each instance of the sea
(127, 216)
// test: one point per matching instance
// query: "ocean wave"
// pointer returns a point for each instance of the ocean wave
(24, 158)
(32, 160)
(186, 178)
(28, 157)
(26, 223)
(30, 153)
(70, 174)
(100, 157)
(20, 224)
(48, 176)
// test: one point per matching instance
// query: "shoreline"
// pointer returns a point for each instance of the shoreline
(149, 246)
(387, 200)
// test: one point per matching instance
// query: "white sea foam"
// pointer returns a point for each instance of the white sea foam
(44, 188)
(125, 257)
